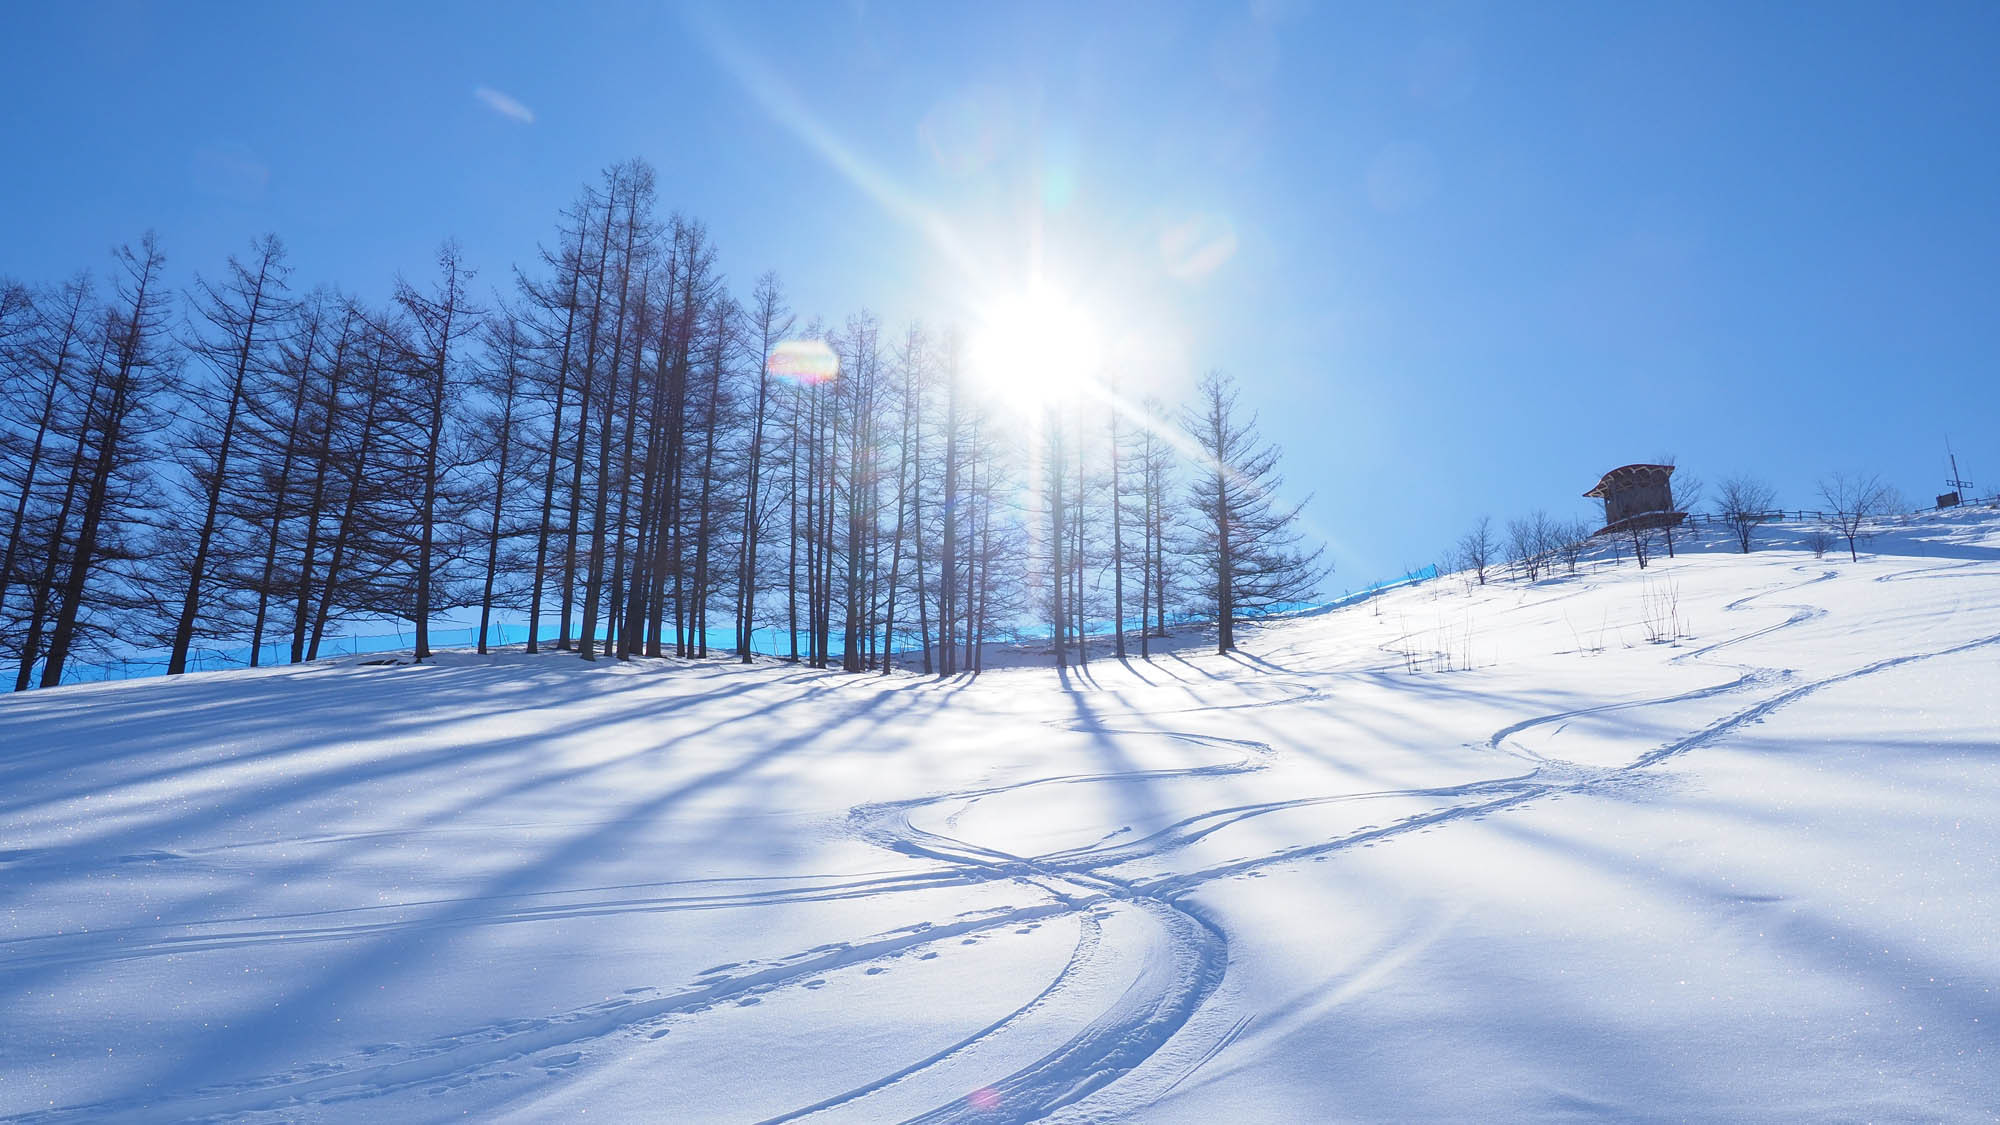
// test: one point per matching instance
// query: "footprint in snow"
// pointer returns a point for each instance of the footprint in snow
(931, 956)
(657, 1034)
(818, 982)
(877, 970)
(750, 1001)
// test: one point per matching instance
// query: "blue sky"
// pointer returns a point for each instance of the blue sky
(1464, 257)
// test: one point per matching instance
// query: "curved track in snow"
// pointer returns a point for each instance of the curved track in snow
(1125, 1036)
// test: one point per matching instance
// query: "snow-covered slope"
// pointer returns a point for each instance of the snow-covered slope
(1718, 839)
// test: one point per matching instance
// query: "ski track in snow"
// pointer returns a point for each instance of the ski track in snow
(1091, 1072)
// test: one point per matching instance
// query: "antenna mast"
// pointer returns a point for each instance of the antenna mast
(1953, 482)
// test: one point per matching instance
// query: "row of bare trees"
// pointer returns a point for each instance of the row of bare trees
(1533, 546)
(1852, 502)
(1108, 497)
(612, 448)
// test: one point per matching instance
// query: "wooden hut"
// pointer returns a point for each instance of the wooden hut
(1637, 497)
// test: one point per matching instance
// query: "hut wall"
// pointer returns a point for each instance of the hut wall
(1649, 496)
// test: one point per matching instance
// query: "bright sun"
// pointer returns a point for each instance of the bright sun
(1034, 348)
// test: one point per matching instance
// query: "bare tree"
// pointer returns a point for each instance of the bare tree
(636, 227)
(238, 317)
(41, 356)
(322, 456)
(1156, 483)
(556, 304)
(1684, 494)
(277, 443)
(1851, 502)
(439, 320)
(368, 486)
(948, 514)
(74, 429)
(1744, 502)
(502, 381)
(1055, 473)
(136, 368)
(721, 337)
(911, 359)
(858, 392)
(770, 323)
(1476, 548)
(1572, 540)
(1117, 453)
(589, 379)
(1640, 535)
(1531, 544)
(1248, 546)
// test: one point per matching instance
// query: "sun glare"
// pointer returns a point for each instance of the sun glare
(1034, 348)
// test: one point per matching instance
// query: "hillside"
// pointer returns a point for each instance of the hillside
(1719, 838)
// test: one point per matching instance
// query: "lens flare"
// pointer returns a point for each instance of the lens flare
(1197, 246)
(804, 361)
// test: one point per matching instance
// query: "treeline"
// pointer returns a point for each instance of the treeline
(616, 442)
(1538, 544)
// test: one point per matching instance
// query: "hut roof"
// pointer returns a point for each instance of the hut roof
(1625, 476)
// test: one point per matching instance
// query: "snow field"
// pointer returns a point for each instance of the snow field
(1718, 839)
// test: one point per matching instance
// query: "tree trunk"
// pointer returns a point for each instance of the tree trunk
(322, 465)
(498, 510)
(284, 490)
(1117, 546)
